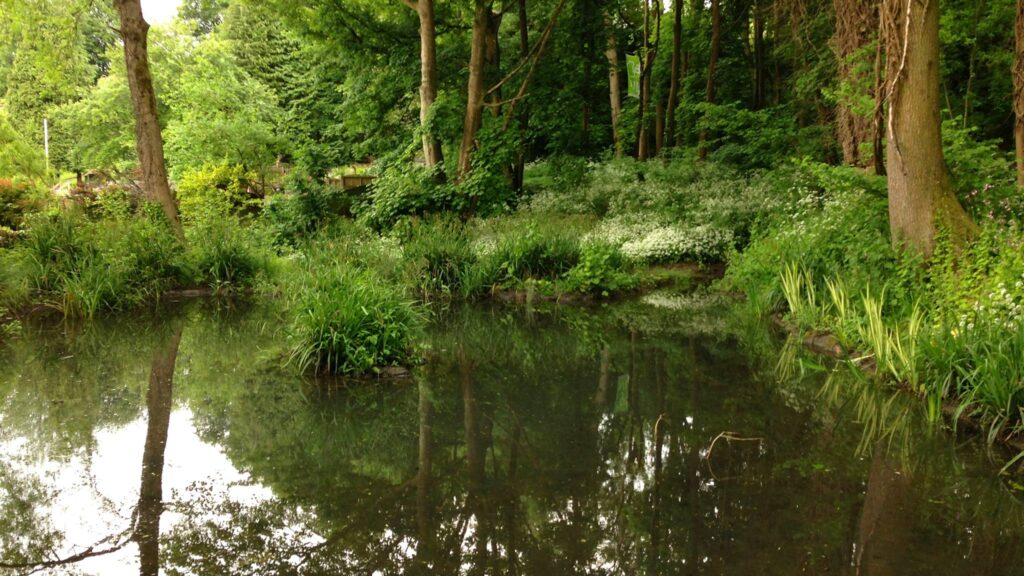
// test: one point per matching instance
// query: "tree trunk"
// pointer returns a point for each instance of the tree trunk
(159, 400)
(716, 46)
(614, 85)
(659, 127)
(921, 196)
(677, 65)
(854, 19)
(524, 112)
(492, 61)
(1018, 92)
(878, 122)
(650, 54)
(475, 87)
(432, 152)
(148, 143)
(760, 73)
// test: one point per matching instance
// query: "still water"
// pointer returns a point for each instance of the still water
(652, 437)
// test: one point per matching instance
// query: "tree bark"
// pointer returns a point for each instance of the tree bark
(854, 20)
(432, 152)
(475, 86)
(921, 198)
(677, 65)
(716, 47)
(614, 85)
(148, 142)
(1018, 92)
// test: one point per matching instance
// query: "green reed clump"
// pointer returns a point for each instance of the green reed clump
(349, 321)
(81, 266)
(439, 256)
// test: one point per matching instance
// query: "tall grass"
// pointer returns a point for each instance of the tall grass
(349, 321)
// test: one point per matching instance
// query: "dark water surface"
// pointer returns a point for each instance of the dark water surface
(652, 437)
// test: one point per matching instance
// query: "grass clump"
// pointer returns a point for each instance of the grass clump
(349, 321)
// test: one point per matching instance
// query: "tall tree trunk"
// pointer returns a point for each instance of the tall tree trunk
(854, 22)
(524, 112)
(614, 85)
(159, 400)
(586, 45)
(677, 65)
(432, 153)
(921, 196)
(1018, 92)
(475, 86)
(760, 72)
(646, 72)
(716, 47)
(492, 61)
(148, 143)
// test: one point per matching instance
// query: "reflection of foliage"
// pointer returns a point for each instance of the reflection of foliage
(25, 534)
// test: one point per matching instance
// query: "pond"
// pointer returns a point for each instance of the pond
(649, 437)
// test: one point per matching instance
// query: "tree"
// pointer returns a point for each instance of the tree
(1018, 92)
(852, 40)
(921, 199)
(432, 153)
(650, 52)
(716, 47)
(614, 85)
(148, 142)
(677, 65)
(475, 85)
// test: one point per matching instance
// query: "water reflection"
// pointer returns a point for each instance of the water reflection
(568, 442)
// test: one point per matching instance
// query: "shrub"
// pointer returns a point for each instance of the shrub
(601, 270)
(350, 322)
(404, 189)
(219, 188)
(304, 208)
(223, 251)
(17, 200)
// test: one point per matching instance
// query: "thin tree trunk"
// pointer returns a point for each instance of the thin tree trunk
(475, 86)
(878, 122)
(159, 400)
(1018, 92)
(760, 74)
(432, 152)
(659, 127)
(614, 85)
(524, 112)
(677, 65)
(921, 196)
(716, 46)
(650, 54)
(148, 142)
(492, 60)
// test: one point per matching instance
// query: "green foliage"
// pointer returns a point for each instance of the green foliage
(305, 206)
(17, 200)
(19, 159)
(216, 188)
(601, 270)
(404, 189)
(220, 114)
